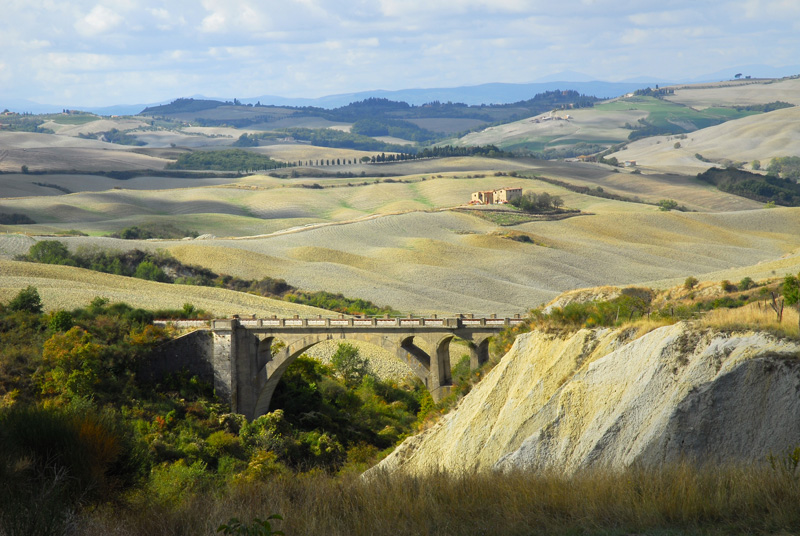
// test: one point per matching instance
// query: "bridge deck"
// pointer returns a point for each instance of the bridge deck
(345, 323)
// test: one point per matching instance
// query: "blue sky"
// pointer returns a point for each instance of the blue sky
(140, 51)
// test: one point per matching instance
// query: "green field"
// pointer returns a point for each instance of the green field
(675, 118)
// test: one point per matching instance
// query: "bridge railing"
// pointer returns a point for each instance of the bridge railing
(346, 322)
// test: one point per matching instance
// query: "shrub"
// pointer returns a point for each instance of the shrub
(745, 284)
(61, 321)
(27, 300)
(727, 286)
(667, 204)
(690, 282)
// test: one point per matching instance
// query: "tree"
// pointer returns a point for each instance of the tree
(27, 300)
(690, 282)
(755, 164)
(61, 321)
(49, 252)
(350, 366)
(148, 270)
(667, 204)
(791, 292)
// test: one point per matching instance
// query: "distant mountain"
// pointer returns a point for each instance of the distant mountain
(26, 106)
(495, 93)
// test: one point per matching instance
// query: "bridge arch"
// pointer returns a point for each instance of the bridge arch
(271, 370)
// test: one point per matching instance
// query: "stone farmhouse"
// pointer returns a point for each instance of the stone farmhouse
(495, 197)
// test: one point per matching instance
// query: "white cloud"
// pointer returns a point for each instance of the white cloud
(98, 21)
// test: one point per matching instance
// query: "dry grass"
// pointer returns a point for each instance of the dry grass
(754, 317)
(681, 499)
(65, 287)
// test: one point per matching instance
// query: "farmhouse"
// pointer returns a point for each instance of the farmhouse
(483, 198)
(492, 197)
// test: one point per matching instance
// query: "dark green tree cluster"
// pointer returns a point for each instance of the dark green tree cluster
(532, 202)
(114, 136)
(24, 123)
(226, 160)
(754, 186)
(392, 127)
(15, 218)
(785, 167)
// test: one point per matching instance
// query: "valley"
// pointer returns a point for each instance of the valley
(655, 315)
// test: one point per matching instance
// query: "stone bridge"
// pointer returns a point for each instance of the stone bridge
(245, 359)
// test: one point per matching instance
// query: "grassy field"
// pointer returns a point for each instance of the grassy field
(65, 287)
(672, 500)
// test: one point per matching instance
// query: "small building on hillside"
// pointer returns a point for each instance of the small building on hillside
(483, 198)
(493, 197)
(507, 195)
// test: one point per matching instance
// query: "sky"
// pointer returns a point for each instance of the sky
(99, 53)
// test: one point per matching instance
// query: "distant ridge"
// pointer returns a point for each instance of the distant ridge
(494, 93)
(491, 93)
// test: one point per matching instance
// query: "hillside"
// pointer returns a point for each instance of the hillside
(596, 399)
(738, 93)
(53, 152)
(65, 287)
(758, 137)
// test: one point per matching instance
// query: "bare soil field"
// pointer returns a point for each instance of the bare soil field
(741, 93)
(292, 152)
(758, 137)
(50, 152)
(650, 186)
(19, 185)
(101, 125)
(589, 125)
(166, 138)
(445, 262)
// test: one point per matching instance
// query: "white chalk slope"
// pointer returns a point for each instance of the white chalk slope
(594, 400)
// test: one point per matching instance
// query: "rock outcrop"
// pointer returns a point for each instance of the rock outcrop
(597, 398)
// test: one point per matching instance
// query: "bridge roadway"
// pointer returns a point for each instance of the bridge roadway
(245, 358)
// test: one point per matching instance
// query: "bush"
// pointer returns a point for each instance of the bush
(745, 284)
(690, 283)
(27, 300)
(61, 321)
(727, 286)
(667, 204)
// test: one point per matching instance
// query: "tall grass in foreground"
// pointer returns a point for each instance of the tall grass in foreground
(753, 317)
(679, 499)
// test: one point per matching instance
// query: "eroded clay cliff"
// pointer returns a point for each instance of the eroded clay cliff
(597, 398)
